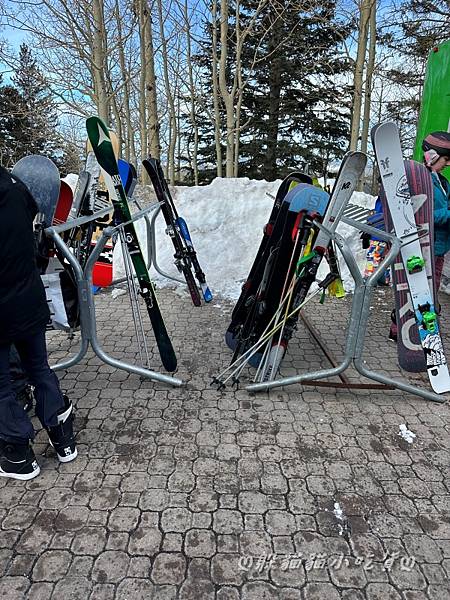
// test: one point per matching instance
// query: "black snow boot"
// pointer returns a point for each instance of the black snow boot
(18, 461)
(61, 436)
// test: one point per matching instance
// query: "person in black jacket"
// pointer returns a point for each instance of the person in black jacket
(24, 314)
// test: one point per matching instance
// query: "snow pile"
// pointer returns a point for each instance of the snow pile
(226, 220)
(406, 434)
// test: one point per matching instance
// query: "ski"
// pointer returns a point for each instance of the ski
(388, 151)
(133, 179)
(101, 143)
(290, 235)
(185, 255)
(81, 190)
(201, 278)
(84, 205)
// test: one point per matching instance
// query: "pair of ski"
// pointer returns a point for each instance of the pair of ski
(396, 183)
(176, 227)
(302, 204)
(102, 147)
(185, 256)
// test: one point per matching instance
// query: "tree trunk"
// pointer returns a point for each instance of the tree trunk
(368, 84)
(374, 188)
(227, 97)
(192, 92)
(170, 98)
(130, 150)
(144, 23)
(154, 146)
(359, 70)
(369, 77)
(99, 61)
(215, 86)
(270, 158)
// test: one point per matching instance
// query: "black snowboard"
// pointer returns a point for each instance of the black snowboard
(41, 176)
(272, 234)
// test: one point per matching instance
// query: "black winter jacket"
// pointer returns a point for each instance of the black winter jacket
(23, 305)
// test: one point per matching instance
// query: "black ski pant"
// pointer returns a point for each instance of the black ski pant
(19, 378)
(15, 425)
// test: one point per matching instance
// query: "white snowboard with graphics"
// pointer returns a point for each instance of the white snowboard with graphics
(386, 141)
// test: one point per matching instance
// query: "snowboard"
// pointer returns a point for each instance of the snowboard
(81, 190)
(41, 177)
(126, 175)
(386, 142)
(411, 357)
(303, 200)
(271, 234)
(103, 149)
(64, 204)
(352, 168)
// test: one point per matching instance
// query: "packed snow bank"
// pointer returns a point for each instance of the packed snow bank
(226, 220)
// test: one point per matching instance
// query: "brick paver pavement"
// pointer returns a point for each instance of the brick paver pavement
(194, 494)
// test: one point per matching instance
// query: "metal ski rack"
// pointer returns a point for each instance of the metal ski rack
(83, 280)
(358, 322)
(152, 249)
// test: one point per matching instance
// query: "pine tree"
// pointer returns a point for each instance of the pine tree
(39, 130)
(294, 105)
(13, 122)
(424, 25)
(295, 111)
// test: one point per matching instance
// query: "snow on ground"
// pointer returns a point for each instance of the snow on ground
(406, 434)
(339, 514)
(226, 220)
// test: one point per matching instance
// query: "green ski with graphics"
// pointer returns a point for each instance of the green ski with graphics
(99, 137)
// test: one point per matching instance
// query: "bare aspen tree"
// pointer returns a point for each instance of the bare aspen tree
(144, 24)
(192, 91)
(231, 92)
(364, 17)
(147, 95)
(71, 39)
(99, 60)
(227, 96)
(215, 88)
(128, 137)
(369, 76)
(153, 145)
(170, 168)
